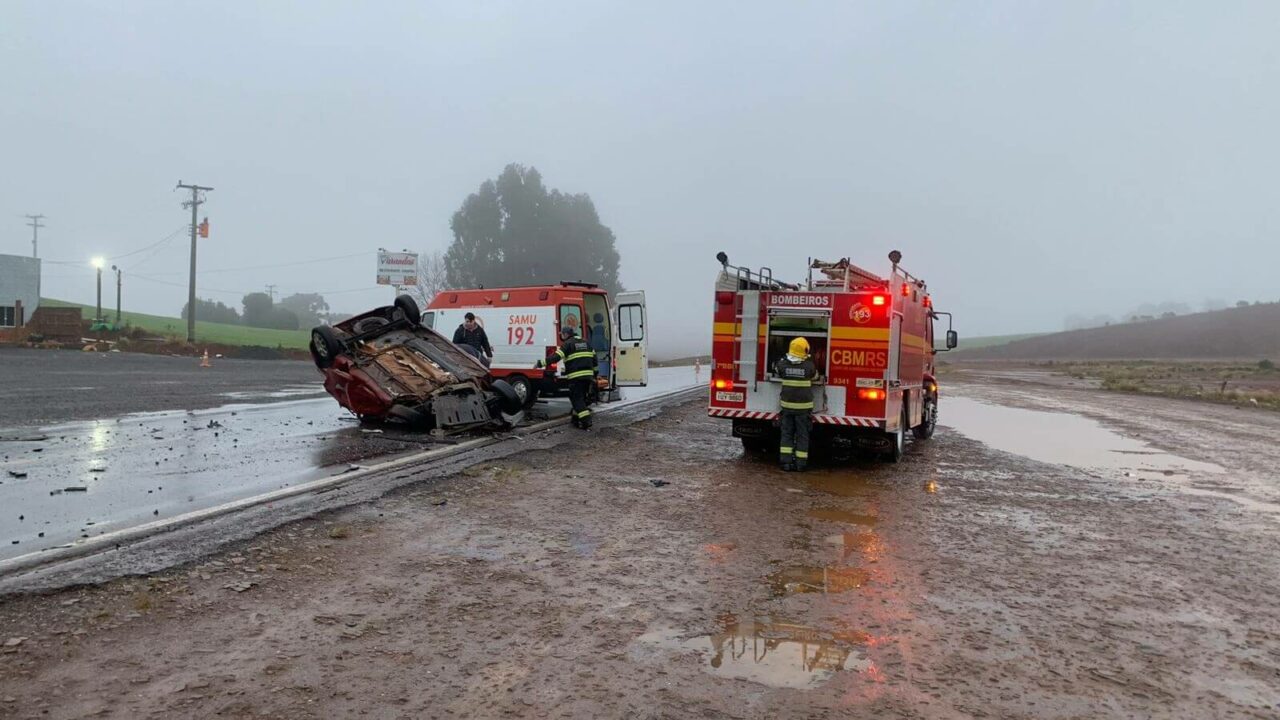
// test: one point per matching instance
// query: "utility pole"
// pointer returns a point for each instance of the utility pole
(194, 203)
(35, 234)
(271, 292)
(119, 272)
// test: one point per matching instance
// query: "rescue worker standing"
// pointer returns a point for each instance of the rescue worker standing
(579, 369)
(797, 371)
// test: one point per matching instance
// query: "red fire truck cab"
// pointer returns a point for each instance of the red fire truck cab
(871, 339)
(523, 325)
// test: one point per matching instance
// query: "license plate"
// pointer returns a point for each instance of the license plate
(730, 397)
(870, 382)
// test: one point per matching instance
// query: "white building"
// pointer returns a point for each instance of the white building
(19, 289)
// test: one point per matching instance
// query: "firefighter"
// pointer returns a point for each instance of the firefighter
(797, 371)
(579, 369)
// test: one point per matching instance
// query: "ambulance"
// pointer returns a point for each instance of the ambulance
(871, 338)
(523, 325)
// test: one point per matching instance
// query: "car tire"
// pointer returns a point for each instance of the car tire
(325, 346)
(758, 446)
(524, 389)
(929, 421)
(407, 305)
(511, 402)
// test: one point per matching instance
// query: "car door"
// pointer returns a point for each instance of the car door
(631, 358)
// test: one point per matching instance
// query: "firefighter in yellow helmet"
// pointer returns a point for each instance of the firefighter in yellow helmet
(797, 371)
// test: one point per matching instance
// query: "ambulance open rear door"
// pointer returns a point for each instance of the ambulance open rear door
(630, 347)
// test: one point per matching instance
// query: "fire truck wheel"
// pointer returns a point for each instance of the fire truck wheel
(524, 389)
(929, 419)
(898, 440)
(757, 446)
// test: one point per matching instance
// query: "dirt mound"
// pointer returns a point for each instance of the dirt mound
(1250, 333)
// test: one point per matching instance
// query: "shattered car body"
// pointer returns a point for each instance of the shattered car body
(384, 365)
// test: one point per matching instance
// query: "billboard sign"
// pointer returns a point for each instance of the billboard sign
(397, 268)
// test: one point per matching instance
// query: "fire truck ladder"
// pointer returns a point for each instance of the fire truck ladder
(747, 344)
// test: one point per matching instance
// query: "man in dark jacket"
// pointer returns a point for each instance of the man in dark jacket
(797, 371)
(471, 333)
(579, 369)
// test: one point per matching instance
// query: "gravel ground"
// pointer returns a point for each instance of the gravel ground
(572, 582)
(63, 385)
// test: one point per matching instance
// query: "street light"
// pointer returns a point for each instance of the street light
(97, 264)
(119, 272)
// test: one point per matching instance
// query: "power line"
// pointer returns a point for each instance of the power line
(280, 265)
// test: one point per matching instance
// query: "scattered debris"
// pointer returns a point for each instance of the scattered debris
(75, 488)
(14, 641)
(240, 586)
(339, 531)
(437, 501)
(17, 474)
(658, 483)
(97, 470)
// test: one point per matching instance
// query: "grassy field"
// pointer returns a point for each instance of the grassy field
(1235, 383)
(176, 328)
(982, 341)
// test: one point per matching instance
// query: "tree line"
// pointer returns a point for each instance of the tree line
(300, 310)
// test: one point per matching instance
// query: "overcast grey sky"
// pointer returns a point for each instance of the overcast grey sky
(1030, 160)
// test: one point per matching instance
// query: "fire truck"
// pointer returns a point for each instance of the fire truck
(523, 325)
(872, 341)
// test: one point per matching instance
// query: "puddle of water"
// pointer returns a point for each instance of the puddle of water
(769, 651)
(826, 579)
(285, 392)
(842, 484)
(842, 516)
(1062, 439)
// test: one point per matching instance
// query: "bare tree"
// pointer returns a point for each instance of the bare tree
(431, 274)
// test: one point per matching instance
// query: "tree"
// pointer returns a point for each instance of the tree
(512, 231)
(309, 308)
(433, 274)
(210, 311)
(260, 311)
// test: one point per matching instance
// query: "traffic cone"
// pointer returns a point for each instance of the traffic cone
(204, 361)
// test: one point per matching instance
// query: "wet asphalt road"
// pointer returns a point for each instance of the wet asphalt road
(657, 572)
(66, 482)
(55, 386)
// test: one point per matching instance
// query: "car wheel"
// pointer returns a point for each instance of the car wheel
(511, 402)
(524, 389)
(325, 346)
(409, 307)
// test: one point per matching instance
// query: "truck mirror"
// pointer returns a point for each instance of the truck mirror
(953, 339)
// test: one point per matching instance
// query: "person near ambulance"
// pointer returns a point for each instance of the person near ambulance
(579, 363)
(472, 334)
(797, 371)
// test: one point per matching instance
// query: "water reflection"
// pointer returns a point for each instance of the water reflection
(771, 651)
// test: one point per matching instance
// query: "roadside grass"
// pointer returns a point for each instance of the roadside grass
(175, 329)
(1232, 383)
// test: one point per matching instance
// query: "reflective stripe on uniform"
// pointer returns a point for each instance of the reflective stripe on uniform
(583, 414)
(797, 383)
(802, 454)
(797, 406)
(582, 356)
(560, 353)
(785, 450)
(585, 374)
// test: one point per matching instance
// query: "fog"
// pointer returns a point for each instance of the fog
(1031, 161)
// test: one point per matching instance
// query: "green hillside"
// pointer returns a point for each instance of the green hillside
(982, 341)
(220, 333)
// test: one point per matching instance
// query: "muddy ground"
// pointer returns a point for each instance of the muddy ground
(53, 386)
(659, 573)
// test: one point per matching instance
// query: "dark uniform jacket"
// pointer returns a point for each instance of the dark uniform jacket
(797, 383)
(475, 338)
(578, 357)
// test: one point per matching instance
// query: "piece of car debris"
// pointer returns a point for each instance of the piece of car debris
(17, 474)
(76, 488)
(658, 483)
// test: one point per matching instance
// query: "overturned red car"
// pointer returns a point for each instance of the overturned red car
(383, 365)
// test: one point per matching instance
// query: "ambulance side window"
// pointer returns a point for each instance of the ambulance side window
(429, 320)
